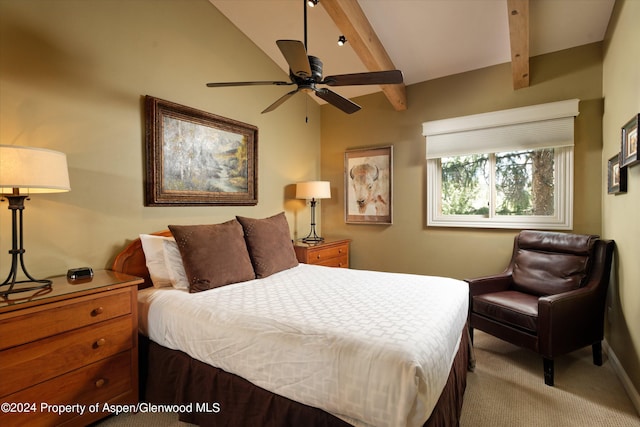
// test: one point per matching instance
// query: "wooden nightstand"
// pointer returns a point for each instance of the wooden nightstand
(330, 253)
(76, 344)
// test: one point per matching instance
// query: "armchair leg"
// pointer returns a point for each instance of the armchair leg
(548, 371)
(597, 353)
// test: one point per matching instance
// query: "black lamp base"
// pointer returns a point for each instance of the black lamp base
(312, 237)
(41, 285)
(16, 205)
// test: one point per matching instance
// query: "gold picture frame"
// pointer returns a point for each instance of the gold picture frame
(195, 158)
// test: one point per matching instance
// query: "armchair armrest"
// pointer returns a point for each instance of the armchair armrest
(488, 284)
(570, 320)
(576, 318)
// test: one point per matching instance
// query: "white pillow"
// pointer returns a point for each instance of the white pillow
(154, 254)
(174, 265)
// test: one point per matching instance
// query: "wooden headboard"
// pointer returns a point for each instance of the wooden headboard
(132, 261)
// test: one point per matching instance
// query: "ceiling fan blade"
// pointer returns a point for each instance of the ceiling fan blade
(296, 56)
(371, 78)
(280, 101)
(337, 101)
(258, 83)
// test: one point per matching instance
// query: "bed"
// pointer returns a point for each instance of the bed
(291, 344)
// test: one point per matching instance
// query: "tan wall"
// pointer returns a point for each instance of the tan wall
(621, 88)
(408, 245)
(72, 77)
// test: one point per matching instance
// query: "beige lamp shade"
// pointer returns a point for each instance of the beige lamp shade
(313, 190)
(32, 170)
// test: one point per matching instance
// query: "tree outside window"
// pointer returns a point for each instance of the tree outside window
(523, 182)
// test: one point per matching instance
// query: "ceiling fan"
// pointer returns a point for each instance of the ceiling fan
(305, 71)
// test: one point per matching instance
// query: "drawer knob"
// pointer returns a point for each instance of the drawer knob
(318, 256)
(97, 311)
(339, 251)
(100, 343)
(101, 382)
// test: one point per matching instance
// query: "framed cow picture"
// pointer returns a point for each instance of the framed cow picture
(368, 181)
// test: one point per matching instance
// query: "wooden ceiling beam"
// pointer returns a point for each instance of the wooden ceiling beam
(352, 22)
(518, 11)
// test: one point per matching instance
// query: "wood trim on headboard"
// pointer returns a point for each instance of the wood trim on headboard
(132, 261)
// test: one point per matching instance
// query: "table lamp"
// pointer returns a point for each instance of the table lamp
(25, 171)
(313, 190)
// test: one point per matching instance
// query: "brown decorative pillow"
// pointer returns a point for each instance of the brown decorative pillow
(213, 255)
(269, 244)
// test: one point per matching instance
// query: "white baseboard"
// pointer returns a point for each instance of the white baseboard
(622, 375)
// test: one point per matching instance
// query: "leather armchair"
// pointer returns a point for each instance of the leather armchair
(551, 297)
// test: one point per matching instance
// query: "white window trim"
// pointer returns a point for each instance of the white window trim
(563, 197)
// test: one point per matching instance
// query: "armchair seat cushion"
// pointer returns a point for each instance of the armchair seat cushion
(513, 308)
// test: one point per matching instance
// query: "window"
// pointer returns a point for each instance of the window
(506, 169)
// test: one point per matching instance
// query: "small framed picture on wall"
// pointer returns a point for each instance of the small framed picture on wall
(617, 176)
(629, 146)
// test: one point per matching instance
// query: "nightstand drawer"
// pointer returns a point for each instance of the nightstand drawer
(53, 319)
(323, 254)
(33, 363)
(340, 261)
(108, 380)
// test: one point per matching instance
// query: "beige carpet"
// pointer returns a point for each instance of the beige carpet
(507, 390)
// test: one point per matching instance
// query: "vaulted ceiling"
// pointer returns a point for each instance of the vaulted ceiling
(425, 39)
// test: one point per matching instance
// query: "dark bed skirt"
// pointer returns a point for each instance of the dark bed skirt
(218, 398)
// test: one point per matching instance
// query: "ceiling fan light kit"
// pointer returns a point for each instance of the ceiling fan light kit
(305, 71)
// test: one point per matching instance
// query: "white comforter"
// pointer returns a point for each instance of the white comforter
(372, 348)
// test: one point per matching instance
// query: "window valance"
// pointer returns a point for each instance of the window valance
(533, 127)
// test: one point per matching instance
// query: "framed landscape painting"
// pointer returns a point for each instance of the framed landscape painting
(195, 158)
